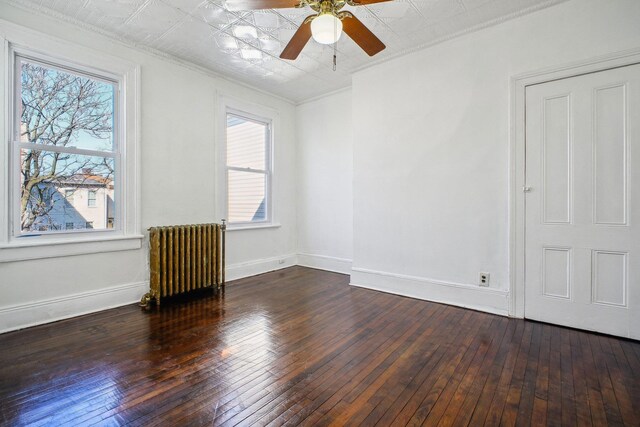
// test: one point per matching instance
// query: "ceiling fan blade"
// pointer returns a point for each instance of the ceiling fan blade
(236, 5)
(360, 34)
(298, 41)
(365, 2)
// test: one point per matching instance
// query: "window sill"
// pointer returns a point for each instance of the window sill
(54, 248)
(233, 227)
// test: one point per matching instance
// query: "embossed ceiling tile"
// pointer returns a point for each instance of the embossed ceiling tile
(153, 20)
(420, 36)
(186, 6)
(501, 7)
(234, 59)
(251, 55)
(519, 4)
(66, 7)
(292, 72)
(93, 17)
(214, 15)
(106, 22)
(438, 10)
(472, 4)
(271, 45)
(245, 41)
(362, 12)
(285, 34)
(295, 15)
(394, 10)
(245, 31)
(189, 32)
(330, 76)
(307, 64)
(277, 78)
(274, 66)
(225, 41)
(408, 23)
(266, 19)
(121, 9)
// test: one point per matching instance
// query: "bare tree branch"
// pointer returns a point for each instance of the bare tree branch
(60, 109)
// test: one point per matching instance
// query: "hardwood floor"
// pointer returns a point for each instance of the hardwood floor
(300, 346)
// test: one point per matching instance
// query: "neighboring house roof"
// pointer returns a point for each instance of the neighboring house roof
(83, 180)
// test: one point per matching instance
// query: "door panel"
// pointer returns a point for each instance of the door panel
(582, 250)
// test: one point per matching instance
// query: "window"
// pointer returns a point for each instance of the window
(91, 199)
(89, 224)
(248, 168)
(91, 144)
(65, 139)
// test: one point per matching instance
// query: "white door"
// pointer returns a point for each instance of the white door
(582, 266)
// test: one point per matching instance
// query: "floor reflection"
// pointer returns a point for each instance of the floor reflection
(301, 346)
(74, 400)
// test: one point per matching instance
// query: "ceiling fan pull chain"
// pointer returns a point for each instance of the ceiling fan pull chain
(335, 44)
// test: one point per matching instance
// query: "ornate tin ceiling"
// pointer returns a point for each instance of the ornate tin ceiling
(246, 45)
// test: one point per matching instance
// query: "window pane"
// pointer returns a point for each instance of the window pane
(58, 189)
(246, 143)
(65, 109)
(246, 196)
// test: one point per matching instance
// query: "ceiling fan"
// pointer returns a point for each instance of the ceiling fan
(325, 26)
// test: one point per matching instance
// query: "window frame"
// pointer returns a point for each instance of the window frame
(19, 56)
(225, 102)
(19, 40)
(268, 172)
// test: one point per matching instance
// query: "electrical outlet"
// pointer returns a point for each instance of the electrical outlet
(483, 279)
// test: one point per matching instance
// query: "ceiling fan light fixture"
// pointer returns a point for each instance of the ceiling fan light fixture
(326, 28)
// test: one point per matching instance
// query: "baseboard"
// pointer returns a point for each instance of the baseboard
(489, 300)
(50, 310)
(468, 296)
(323, 262)
(264, 265)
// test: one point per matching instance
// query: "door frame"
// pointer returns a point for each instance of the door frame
(517, 160)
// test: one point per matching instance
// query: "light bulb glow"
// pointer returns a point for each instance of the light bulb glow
(326, 29)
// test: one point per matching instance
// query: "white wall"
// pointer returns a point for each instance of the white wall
(325, 174)
(177, 186)
(431, 150)
(417, 152)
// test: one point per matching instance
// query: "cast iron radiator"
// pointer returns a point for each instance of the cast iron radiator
(183, 258)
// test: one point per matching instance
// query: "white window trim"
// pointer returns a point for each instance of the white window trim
(16, 39)
(260, 114)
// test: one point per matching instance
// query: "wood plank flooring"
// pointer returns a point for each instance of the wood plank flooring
(302, 347)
